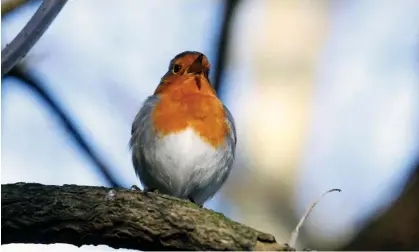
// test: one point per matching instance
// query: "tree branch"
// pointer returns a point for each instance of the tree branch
(29, 35)
(119, 218)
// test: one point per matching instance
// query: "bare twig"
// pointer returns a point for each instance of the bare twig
(223, 42)
(66, 122)
(29, 35)
(294, 235)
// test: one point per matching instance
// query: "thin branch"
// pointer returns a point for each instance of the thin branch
(66, 122)
(30, 34)
(223, 42)
(294, 234)
(120, 218)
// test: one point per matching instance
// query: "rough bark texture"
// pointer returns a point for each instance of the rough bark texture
(119, 218)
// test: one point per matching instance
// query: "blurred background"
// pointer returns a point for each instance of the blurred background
(325, 95)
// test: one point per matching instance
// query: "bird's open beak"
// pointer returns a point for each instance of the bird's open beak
(196, 67)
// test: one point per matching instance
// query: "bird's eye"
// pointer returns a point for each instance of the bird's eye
(176, 68)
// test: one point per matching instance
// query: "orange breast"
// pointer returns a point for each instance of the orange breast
(203, 113)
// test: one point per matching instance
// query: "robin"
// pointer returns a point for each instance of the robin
(183, 139)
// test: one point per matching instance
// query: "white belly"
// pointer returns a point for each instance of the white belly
(184, 165)
(183, 154)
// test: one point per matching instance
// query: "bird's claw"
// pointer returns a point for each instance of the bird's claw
(191, 200)
(135, 188)
(148, 190)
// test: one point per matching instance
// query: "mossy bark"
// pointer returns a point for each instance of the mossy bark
(119, 218)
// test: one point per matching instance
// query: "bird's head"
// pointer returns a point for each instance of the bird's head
(188, 73)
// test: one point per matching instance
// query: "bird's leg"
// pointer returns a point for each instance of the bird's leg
(135, 188)
(192, 200)
(145, 191)
(148, 190)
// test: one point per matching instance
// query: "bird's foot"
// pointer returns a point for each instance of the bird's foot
(150, 190)
(192, 200)
(145, 191)
(135, 188)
